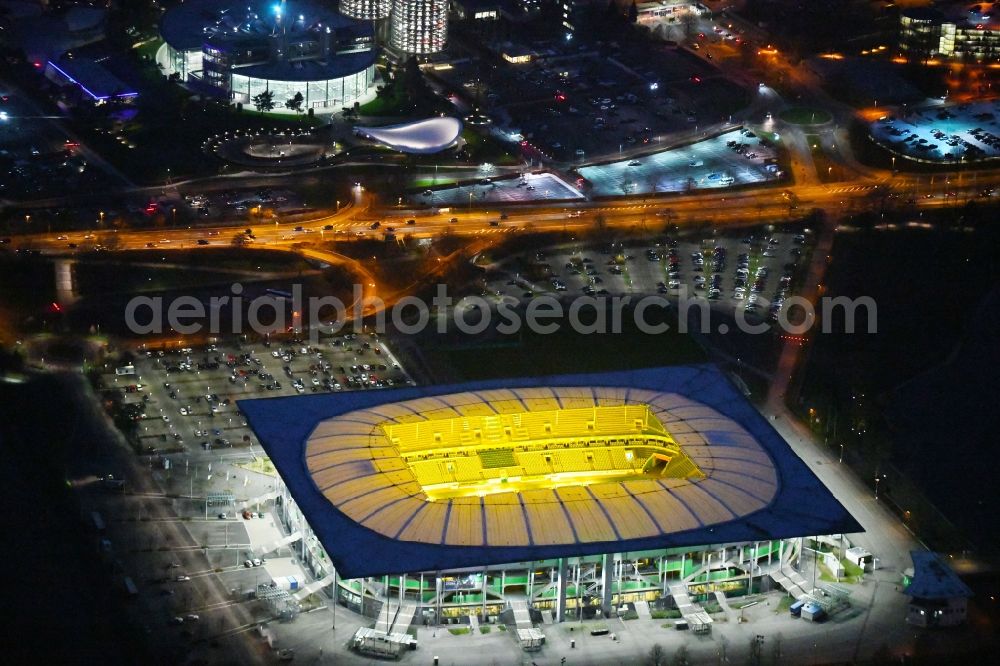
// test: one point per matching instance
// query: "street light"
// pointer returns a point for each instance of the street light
(841, 453)
(877, 479)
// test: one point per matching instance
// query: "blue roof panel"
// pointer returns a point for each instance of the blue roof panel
(802, 506)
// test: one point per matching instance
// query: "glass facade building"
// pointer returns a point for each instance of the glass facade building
(369, 10)
(238, 50)
(419, 26)
(323, 94)
(926, 33)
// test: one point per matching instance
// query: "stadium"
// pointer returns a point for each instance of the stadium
(573, 494)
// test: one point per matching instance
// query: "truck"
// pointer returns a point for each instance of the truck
(813, 611)
(795, 610)
(286, 583)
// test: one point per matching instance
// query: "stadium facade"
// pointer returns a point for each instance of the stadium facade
(238, 49)
(572, 493)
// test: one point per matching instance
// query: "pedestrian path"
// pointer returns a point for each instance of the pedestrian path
(721, 598)
(386, 617)
(642, 610)
(404, 618)
(687, 607)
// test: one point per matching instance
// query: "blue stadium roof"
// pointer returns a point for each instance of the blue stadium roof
(802, 505)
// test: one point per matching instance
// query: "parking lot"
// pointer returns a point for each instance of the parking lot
(734, 158)
(185, 399)
(967, 132)
(573, 105)
(527, 187)
(36, 158)
(754, 271)
(231, 204)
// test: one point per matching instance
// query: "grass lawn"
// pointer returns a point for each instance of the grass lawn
(784, 604)
(301, 119)
(669, 614)
(484, 148)
(458, 631)
(827, 170)
(147, 50)
(390, 104)
(801, 115)
(567, 352)
(852, 573)
(250, 260)
(430, 182)
(93, 279)
(261, 465)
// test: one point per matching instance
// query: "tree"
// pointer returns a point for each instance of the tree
(657, 655)
(689, 20)
(294, 103)
(633, 13)
(110, 241)
(681, 657)
(264, 101)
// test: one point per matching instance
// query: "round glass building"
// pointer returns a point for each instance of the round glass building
(237, 50)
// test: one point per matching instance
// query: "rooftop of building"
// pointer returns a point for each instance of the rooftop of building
(420, 137)
(343, 64)
(373, 516)
(983, 15)
(934, 579)
(186, 26)
(93, 79)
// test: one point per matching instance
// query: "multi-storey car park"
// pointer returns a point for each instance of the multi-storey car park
(573, 493)
(238, 50)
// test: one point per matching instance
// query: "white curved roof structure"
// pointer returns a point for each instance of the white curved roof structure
(421, 137)
(462, 469)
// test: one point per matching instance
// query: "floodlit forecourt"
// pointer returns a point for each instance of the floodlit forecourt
(567, 494)
(238, 50)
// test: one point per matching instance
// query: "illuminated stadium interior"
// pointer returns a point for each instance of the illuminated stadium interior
(481, 455)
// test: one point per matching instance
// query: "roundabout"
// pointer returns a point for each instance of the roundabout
(274, 148)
